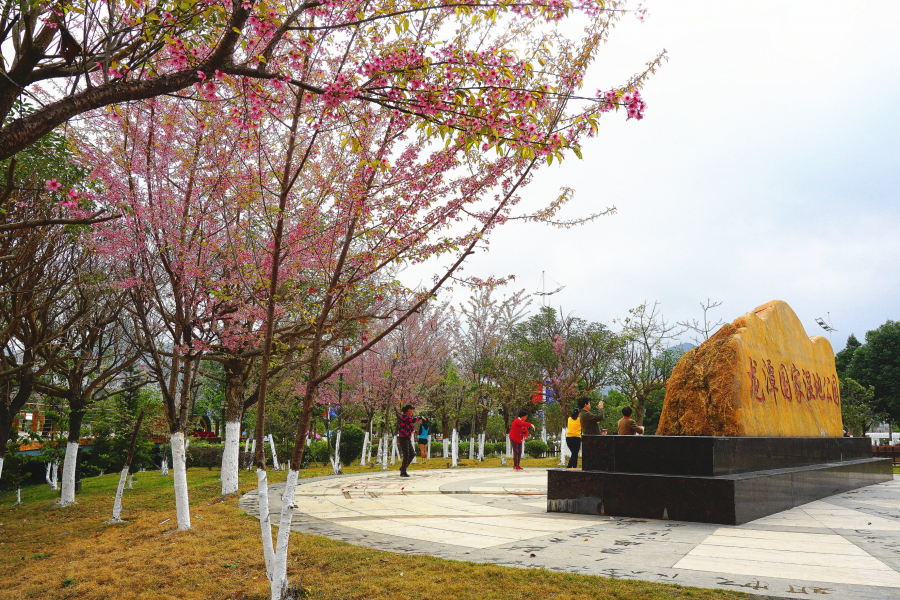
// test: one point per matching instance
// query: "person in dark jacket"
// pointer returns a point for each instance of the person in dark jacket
(404, 438)
(590, 422)
(627, 426)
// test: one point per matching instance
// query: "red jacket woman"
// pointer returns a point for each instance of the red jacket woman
(518, 433)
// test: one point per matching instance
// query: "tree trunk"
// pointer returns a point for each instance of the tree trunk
(275, 464)
(117, 505)
(235, 388)
(230, 454)
(179, 465)
(365, 449)
(126, 472)
(562, 446)
(336, 459)
(454, 447)
(76, 416)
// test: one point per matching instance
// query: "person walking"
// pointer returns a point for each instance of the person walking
(518, 433)
(627, 426)
(590, 422)
(404, 438)
(423, 438)
(573, 438)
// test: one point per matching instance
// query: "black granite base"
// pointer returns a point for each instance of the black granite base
(710, 480)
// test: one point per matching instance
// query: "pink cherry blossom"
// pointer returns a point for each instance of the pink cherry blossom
(53, 185)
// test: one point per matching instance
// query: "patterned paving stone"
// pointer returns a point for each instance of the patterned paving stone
(846, 546)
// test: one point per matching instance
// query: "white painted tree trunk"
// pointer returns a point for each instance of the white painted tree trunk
(336, 460)
(279, 581)
(230, 455)
(562, 447)
(164, 469)
(544, 432)
(18, 496)
(68, 480)
(384, 454)
(252, 453)
(1, 465)
(54, 476)
(446, 448)
(187, 442)
(471, 447)
(130, 481)
(265, 526)
(378, 452)
(274, 455)
(394, 450)
(364, 456)
(428, 449)
(117, 506)
(179, 464)
(246, 442)
(415, 449)
(454, 450)
(505, 455)
(481, 447)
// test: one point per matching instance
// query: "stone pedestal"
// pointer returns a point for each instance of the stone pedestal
(726, 480)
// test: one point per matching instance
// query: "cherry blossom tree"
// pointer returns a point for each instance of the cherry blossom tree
(77, 58)
(160, 162)
(88, 359)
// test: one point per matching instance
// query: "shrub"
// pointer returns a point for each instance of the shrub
(536, 448)
(317, 451)
(351, 443)
(200, 454)
(497, 448)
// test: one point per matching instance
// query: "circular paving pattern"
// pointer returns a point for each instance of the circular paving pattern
(846, 546)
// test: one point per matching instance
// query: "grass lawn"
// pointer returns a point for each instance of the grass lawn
(49, 552)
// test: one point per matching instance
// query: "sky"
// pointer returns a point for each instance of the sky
(767, 167)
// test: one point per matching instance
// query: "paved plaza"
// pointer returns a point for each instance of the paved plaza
(845, 546)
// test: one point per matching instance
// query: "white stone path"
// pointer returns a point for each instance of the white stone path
(846, 546)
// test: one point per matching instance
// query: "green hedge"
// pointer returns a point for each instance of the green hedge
(536, 448)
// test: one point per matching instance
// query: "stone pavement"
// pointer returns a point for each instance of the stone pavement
(846, 546)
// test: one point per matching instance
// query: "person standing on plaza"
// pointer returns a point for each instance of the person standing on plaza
(518, 433)
(423, 438)
(590, 422)
(404, 438)
(573, 438)
(627, 426)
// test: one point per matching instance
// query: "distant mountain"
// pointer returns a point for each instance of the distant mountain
(684, 346)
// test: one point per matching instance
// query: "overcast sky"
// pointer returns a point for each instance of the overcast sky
(766, 168)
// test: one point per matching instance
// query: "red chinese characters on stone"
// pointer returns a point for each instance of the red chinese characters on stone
(769, 372)
(755, 392)
(817, 386)
(795, 378)
(785, 382)
(828, 388)
(835, 390)
(807, 382)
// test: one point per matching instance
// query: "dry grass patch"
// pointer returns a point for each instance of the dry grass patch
(54, 553)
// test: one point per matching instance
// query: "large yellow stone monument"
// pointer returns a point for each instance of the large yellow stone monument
(759, 376)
